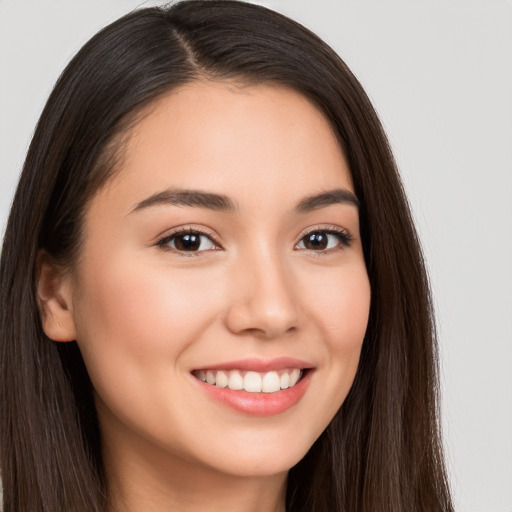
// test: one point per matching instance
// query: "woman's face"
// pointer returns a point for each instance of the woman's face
(215, 253)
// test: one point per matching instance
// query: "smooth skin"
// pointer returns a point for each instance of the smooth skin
(145, 312)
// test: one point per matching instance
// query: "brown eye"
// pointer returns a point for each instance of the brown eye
(316, 241)
(323, 240)
(188, 242)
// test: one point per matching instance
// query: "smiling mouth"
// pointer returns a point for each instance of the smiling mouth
(251, 381)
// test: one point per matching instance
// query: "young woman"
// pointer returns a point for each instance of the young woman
(212, 294)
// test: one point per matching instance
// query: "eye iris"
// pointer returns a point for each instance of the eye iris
(316, 241)
(188, 242)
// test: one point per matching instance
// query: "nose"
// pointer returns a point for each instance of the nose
(262, 301)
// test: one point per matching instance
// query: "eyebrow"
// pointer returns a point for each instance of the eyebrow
(336, 196)
(222, 203)
(186, 197)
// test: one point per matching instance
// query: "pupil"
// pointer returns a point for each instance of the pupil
(188, 242)
(316, 241)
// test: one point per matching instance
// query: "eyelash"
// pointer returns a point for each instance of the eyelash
(344, 236)
(185, 231)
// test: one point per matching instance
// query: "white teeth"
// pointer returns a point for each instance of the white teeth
(221, 380)
(294, 376)
(271, 382)
(236, 381)
(253, 382)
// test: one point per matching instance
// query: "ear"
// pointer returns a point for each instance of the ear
(54, 294)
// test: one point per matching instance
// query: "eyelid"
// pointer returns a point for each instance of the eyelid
(343, 233)
(345, 238)
(183, 230)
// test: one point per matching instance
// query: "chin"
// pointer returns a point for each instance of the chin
(261, 459)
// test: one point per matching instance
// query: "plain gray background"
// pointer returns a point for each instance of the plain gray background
(440, 76)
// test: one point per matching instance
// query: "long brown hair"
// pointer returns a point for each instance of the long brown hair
(382, 451)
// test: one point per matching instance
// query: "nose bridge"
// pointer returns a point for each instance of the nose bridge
(263, 299)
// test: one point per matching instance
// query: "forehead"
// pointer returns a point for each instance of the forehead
(248, 141)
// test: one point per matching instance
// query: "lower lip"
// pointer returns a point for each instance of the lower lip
(259, 404)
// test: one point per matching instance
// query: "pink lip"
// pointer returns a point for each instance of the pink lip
(258, 404)
(259, 365)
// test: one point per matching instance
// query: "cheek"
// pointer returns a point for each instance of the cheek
(341, 304)
(132, 313)
(136, 319)
(340, 308)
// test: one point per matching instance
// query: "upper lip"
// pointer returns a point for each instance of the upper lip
(259, 365)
